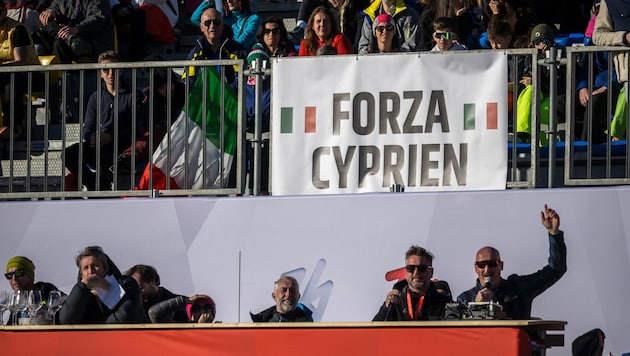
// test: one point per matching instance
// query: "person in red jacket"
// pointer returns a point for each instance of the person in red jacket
(323, 29)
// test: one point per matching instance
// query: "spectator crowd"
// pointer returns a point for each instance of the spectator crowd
(103, 31)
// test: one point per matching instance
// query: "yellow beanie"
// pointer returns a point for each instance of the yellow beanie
(22, 262)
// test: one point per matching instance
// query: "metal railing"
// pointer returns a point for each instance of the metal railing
(33, 166)
(33, 159)
(589, 160)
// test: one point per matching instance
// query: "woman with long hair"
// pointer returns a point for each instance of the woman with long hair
(323, 29)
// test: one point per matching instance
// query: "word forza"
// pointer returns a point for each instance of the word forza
(423, 165)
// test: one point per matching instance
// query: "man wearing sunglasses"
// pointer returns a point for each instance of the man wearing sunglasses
(417, 297)
(216, 43)
(516, 293)
(20, 273)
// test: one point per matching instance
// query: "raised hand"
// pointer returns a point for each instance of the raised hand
(550, 220)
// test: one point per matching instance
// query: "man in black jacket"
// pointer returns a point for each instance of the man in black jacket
(416, 298)
(286, 293)
(153, 293)
(102, 294)
(516, 293)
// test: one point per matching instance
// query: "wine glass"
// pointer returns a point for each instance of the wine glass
(18, 303)
(4, 304)
(34, 302)
(55, 301)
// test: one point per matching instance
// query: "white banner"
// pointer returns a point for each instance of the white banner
(348, 124)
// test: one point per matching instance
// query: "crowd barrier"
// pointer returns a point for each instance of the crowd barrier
(33, 165)
(33, 159)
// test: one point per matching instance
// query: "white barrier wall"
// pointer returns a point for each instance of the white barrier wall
(340, 247)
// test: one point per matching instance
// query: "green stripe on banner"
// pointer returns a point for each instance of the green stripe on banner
(286, 120)
(469, 116)
(213, 109)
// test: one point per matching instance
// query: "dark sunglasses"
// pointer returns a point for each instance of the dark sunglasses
(215, 22)
(388, 27)
(275, 31)
(420, 268)
(17, 273)
(491, 263)
(443, 35)
(107, 70)
(546, 42)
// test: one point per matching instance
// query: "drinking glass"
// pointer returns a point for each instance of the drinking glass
(34, 302)
(18, 303)
(55, 301)
(4, 304)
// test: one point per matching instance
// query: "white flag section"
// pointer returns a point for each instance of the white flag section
(355, 124)
(185, 133)
(192, 158)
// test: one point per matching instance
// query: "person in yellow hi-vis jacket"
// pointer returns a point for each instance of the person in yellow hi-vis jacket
(541, 38)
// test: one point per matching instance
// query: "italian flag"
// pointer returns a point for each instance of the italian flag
(188, 141)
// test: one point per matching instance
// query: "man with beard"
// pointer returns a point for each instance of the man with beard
(286, 293)
(516, 293)
(416, 298)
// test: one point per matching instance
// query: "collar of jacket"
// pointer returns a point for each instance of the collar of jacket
(373, 10)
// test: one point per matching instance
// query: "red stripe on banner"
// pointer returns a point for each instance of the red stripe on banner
(492, 121)
(309, 119)
(159, 179)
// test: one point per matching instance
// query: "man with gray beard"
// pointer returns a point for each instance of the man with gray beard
(286, 293)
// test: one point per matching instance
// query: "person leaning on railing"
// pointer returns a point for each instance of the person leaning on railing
(113, 94)
(216, 43)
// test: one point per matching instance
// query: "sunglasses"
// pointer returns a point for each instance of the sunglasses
(17, 273)
(538, 42)
(420, 268)
(215, 22)
(273, 31)
(491, 263)
(198, 308)
(107, 70)
(443, 35)
(388, 27)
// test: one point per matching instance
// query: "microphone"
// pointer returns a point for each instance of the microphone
(487, 282)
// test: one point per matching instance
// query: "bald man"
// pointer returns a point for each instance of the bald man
(516, 293)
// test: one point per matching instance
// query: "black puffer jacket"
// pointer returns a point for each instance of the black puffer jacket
(83, 307)
(432, 308)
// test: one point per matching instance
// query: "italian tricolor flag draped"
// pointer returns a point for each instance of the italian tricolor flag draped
(187, 140)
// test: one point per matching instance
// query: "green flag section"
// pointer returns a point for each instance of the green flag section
(195, 155)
